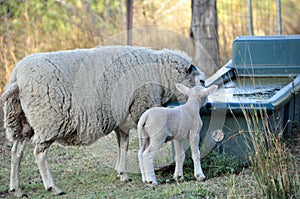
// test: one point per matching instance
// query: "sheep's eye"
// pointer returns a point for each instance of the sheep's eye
(191, 68)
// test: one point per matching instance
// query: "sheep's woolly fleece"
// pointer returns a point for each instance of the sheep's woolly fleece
(78, 96)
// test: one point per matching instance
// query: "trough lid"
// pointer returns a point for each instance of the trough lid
(265, 51)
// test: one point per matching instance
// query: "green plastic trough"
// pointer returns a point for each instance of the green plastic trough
(263, 78)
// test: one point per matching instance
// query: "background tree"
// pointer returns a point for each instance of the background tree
(30, 26)
(204, 31)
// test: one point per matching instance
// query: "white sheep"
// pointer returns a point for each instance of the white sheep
(159, 125)
(75, 97)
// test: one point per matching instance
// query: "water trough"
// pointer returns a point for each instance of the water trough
(262, 78)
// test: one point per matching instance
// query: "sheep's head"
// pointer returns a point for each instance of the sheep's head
(197, 92)
(197, 75)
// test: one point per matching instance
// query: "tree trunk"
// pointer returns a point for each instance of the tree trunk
(129, 7)
(204, 32)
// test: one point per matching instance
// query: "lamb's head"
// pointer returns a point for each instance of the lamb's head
(197, 92)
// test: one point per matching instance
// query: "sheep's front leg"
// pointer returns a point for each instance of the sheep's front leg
(123, 141)
(40, 154)
(16, 157)
(179, 159)
(194, 144)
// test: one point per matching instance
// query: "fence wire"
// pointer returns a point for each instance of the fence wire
(233, 20)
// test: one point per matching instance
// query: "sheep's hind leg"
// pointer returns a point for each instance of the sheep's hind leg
(123, 141)
(40, 154)
(16, 157)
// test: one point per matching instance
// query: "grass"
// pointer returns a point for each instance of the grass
(82, 175)
(84, 172)
(274, 167)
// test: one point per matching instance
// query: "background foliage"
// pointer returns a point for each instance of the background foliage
(29, 26)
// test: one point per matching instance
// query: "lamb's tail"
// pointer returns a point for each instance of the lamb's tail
(15, 122)
(143, 135)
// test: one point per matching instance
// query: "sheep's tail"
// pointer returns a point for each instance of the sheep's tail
(15, 122)
(143, 135)
(11, 90)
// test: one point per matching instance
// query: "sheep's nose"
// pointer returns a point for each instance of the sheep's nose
(202, 82)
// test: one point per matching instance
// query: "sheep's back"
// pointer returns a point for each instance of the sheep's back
(85, 94)
(45, 83)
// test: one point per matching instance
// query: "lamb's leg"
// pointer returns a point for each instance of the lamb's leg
(149, 155)
(194, 144)
(179, 159)
(144, 143)
(40, 154)
(16, 157)
(123, 141)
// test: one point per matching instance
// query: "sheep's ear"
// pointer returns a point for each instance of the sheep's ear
(191, 68)
(183, 89)
(210, 90)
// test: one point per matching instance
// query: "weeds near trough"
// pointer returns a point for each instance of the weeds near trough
(273, 166)
(214, 165)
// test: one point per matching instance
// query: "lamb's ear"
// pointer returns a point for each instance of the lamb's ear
(183, 89)
(210, 90)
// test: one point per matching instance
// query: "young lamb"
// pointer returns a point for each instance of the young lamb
(76, 97)
(159, 125)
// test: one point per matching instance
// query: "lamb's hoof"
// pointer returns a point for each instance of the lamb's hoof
(200, 178)
(152, 183)
(56, 191)
(61, 193)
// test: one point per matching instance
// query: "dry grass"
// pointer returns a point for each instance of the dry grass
(274, 166)
(83, 175)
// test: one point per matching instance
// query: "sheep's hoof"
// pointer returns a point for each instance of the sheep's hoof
(18, 193)
(124, 177)
(179, 179)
